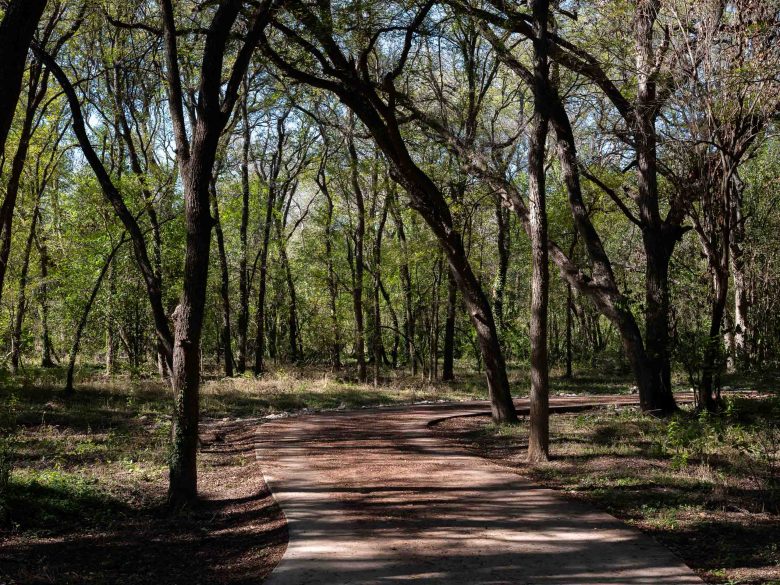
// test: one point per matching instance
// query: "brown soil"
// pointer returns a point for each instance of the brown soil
(236, 534)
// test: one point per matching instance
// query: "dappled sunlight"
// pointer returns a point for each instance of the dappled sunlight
(377, 498)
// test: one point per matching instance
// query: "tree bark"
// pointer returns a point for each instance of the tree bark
(335, 352)
(448, 357)
(406, 286)
(376, 335)
(243, 280)
(224, 288)
(539, 433)
(43, 295)
(502, 222)
(21, 303)
(16, 33)
(196, 156)
(358, 263)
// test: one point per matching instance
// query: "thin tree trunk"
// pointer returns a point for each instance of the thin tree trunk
(110, 325)
(43, 295)
(21, 303)
(85, 316)
(396, 329)
(243, 280)
(502, 221)
(406, 285)
(292, 299)
(448, 358)
(224, 288)
(357, 278)
(335, 353)
(260, 313)
(376, 337)
(569, 325)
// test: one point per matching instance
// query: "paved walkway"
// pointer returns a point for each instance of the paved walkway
(374, 497)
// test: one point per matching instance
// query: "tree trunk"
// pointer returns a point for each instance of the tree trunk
(569, 326)
(243, 280)
(85, 316)
(16, 32)
(196, 156)
(43, 295)
(376, 336)
(110, 324)
(292, 299)
(188, 323)
(396, 326)
(406, 286)
(539, 434)
(335, 352)
(224, 288)
(720, 283)
(741, 307)
(21, 303)
(260, 313)
(358, 265)
(502, 221)
(448, 359)
(657, 241)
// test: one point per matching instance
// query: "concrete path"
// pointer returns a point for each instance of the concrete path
(374, 497)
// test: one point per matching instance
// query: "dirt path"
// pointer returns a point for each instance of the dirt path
(374, 497)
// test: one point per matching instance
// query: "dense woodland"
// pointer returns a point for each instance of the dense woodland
(196, 187)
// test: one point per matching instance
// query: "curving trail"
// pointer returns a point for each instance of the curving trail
(374, 497)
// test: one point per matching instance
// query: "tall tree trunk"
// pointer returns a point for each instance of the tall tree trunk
(85, 316)
(335, 352)
(569, 325)
(720, 283)
(16, 32)
(21, 303)
(43, 295)
(658, 242)
(196, 156)
(110, 322)
(292, 298)
(358, 264)
(406, 286)
(224, 288)
(502, 221)
(376, 336)
(260, 312)
(396, 326)
(539, 434)
(741, 355)
(243, 280)
(37, 87)
(448, 358)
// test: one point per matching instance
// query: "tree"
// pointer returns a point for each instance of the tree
(349, 79)
(196, 153)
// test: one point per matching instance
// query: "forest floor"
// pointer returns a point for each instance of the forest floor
(85, 500)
